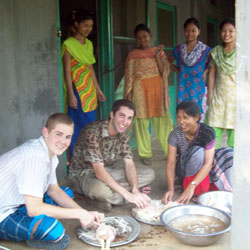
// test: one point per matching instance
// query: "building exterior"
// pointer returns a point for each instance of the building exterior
(32, 32)
(30, 67)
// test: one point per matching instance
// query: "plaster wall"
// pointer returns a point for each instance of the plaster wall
(241, 182)
(28, 69)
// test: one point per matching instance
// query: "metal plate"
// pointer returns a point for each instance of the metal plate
(156, 223)
(83, 235)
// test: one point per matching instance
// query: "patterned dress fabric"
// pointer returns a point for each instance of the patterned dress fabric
(81, 58)
(143, 80)
(221, 111)
(191, 67)
(82, 79)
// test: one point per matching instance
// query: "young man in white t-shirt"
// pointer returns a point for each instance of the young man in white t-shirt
(31, 201)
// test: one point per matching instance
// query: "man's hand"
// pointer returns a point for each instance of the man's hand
(139, 199)
(97, 216)
(88, 218)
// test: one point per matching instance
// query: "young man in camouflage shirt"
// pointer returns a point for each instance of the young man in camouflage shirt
(99, 145)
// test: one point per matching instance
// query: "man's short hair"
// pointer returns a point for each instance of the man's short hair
(58, 118)
(123, 103)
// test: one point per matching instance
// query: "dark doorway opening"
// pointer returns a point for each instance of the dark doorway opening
(68, 9)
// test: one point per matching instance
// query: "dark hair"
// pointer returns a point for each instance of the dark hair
(140, 27)
(225, 21)
(192, 20)
(83, 15)
(189, 107)
(123, 102)
(58, 118)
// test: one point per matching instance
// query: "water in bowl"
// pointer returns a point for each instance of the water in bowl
(197, 224)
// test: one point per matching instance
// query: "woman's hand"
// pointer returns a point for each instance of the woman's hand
(204, 76)
(208, 100)
(159, 50)
(72, 101)
(168, 196)
(100, 96)
(187, 194)
(167, 100)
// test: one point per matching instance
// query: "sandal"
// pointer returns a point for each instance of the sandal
(147, 161)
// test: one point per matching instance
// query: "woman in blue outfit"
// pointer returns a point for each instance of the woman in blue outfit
(191, 65)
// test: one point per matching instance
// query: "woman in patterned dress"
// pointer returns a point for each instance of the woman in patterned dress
(81, 88)
(193, 158)
(146, 86)
(221, 84)
(191, 64)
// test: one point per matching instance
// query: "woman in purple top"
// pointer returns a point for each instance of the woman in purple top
(193, 158)
(191, 65)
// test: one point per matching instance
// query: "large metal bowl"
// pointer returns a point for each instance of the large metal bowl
(218, 199)
(191, 238)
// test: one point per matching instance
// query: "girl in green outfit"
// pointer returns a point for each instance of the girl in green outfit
(221, 84)
(81, 89)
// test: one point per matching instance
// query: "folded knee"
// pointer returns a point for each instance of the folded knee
(49, 229)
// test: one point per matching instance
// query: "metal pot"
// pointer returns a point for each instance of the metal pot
(191, 238)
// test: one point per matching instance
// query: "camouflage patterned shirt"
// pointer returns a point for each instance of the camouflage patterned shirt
(95, 145)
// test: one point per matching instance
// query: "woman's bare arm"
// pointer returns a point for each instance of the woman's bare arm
(170, 173)
(72, 101)
(99, 92)
(211, 81)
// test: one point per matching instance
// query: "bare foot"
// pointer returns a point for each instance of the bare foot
(146, 189)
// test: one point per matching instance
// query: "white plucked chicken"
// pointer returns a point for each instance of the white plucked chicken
(105, 234)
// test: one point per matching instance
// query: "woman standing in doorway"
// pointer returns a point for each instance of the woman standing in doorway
(146, 86)
(191, 63)
(81, 88)
(221, 84)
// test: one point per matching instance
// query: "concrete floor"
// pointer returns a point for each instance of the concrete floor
(150, 236)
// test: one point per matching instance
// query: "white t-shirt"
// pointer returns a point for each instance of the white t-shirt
(25, 170)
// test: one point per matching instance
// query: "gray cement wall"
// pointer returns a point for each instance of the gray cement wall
(28, 68)
(241, 184)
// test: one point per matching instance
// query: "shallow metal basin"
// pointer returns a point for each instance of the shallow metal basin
(191, 238)
(218, 199)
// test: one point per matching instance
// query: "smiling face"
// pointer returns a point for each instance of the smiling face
(85, 27)
(191, 32)
(188, 123)
(228, 33)
(58, 139)
(143, 39)
(120, 121)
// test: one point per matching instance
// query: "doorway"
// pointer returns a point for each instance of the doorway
(66, 12)
(166, 20)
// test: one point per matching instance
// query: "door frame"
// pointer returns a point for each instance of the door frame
(213, 21)
(60, 72)
(172, 89)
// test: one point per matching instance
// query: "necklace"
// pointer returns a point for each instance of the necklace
(189, 138)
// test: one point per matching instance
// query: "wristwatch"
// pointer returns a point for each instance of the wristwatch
(194, 183)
